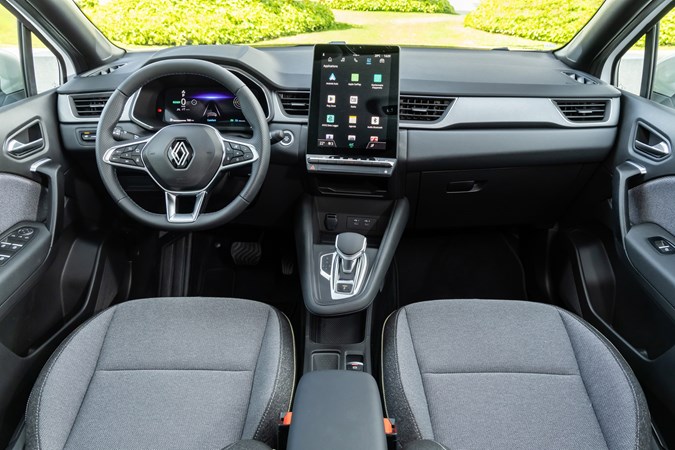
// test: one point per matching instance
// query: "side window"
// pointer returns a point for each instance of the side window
(12, 87)
(27, 65)
(631, 68)
(648, 68)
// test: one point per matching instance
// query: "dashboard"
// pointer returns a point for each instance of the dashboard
(471, 137)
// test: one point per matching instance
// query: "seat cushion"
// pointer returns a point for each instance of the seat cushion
(483, 374)
(166, 373)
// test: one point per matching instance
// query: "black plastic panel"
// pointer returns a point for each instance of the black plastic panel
(423, 70)
(493, 197)
(336, 410)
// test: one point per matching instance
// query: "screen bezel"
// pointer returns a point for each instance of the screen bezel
(315, 99)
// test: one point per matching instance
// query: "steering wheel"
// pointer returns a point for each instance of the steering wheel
(184, 160)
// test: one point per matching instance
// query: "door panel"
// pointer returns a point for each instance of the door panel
(643, 212)
(649, 210)
(31, 200)
(28, 194)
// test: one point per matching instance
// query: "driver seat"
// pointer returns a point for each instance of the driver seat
(166, 373)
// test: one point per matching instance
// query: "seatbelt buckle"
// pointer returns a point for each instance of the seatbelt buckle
(283, 426)
(391, 433)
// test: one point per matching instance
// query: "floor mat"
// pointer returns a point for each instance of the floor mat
(467, 265)
(214, 273)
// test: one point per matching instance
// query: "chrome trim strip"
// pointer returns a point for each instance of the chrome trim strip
(36, 164)
(172, 204)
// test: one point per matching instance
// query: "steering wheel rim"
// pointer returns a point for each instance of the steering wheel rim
(256, 151)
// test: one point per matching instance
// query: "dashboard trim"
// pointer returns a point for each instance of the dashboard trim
(67, 115)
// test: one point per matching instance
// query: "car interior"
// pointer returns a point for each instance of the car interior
(336, 246)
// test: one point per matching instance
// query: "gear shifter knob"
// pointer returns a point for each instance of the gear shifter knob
(350, 247)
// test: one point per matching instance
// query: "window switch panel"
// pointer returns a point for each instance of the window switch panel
(662, 245)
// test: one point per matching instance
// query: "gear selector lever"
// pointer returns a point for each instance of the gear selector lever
(350, 247)
(346, 268)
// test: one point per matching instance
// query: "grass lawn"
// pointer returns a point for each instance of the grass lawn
(358, 27)
(413, 29)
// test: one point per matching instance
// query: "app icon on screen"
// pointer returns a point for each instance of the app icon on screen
(332, 77)
(351, 137)
(374, 139)
(352, 119)
(369, 61)
(355, 78)
(331, 99)
(329, 137)
(375, 120)
(354, 99)
(330, 118)
(377, 78)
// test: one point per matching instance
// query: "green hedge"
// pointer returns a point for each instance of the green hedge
(424, 6)
(541, 20)
(180, 22)
(554, 21)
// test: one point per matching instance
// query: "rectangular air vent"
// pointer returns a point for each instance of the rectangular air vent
(105, 70)
(295, 103)
(89, 105)
(583, 110)
(419, 108)
(579, 78)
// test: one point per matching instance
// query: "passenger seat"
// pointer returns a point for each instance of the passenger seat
(487, 374)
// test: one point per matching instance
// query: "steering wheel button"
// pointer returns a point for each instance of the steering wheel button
(138, 161)
(248, 155)
(235, 146)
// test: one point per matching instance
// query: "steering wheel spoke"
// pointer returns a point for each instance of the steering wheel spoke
(128, 155)
(238, 154)
(172, 207)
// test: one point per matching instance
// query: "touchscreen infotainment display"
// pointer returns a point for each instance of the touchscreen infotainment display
(216, 106)
(354, 101)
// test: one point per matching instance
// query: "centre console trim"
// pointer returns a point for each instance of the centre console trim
(307, 238)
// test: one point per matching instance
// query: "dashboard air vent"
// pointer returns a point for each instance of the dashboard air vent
(105, 70)
(583, 110)
(579, 78)
(417, 108)
(90, 105)
(295, 103)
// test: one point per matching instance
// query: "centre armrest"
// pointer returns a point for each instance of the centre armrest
(337, 409)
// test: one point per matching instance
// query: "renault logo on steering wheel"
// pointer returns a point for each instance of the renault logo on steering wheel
(180, 154)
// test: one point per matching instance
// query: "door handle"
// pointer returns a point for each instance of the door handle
(25, 141)
(18, 149)
(659, 150)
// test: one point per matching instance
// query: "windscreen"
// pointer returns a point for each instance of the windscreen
(513, 24)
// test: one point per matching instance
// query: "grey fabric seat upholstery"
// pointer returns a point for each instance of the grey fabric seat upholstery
(166, 373)
(480, 374)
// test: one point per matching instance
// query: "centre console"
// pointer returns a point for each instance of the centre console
(350, 223)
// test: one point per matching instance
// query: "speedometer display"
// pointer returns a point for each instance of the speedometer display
(209, 106)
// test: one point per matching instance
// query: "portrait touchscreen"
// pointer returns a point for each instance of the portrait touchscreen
(354, 101)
